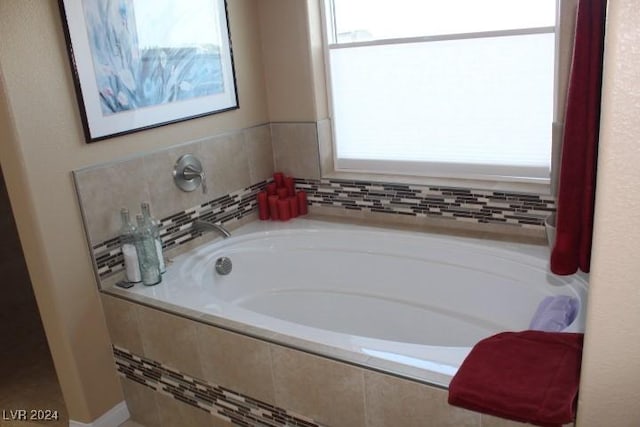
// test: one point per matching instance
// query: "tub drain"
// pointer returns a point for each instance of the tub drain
(223, 266)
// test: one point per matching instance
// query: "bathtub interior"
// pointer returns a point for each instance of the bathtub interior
(363, 294)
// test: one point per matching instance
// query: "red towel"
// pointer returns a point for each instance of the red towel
(528, 376)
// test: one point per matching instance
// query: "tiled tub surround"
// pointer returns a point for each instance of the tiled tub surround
(233, 371)
(464, 205)
(513, 210)
(233, 161)
(177, 229)
(237, 165)
(481, 207)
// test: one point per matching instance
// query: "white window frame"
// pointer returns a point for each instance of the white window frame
(413, 172)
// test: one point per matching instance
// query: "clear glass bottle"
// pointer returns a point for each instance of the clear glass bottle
(155, 230)
(127, 244)
(147, 254)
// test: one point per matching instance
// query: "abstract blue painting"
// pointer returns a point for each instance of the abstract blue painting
(164, 60)
(131, 75)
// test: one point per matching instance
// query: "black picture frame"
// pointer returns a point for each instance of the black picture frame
(149, 65)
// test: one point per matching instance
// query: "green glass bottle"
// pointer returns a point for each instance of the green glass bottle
(154, 225)
(147, 254)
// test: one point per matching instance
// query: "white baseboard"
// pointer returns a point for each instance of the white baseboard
(112, 418)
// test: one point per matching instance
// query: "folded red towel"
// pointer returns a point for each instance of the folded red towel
(528, 376)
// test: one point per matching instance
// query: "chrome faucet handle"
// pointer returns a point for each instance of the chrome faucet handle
(188, 174)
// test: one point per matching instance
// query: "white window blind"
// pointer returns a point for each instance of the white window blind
(441, 96)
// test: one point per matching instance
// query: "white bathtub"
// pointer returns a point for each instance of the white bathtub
(408, 303)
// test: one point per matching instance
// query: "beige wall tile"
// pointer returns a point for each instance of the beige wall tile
(165, 197)
(259, 150)
(170, 340)
(104, 190)
(141, 401)
(173, 413)
(325, 146)
(295, 149)
(232, 162)
(532, 236)
(122, 322)
(151, 408)
(326, 391)
(225, 162)
(240, 363)
(392, 401)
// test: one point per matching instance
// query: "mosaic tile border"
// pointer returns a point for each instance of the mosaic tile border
(178, 229)
(476, 206)
(219, 401)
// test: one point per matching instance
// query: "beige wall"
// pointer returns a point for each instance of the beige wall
(293, 59)
(611, 365)
(42, 141)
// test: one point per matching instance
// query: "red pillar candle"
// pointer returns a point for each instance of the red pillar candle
(283, 193)
(290, 185)
(284, 213)
(302, 203)
(271, 189)
(278, 177)
(293, 206)
(273, 207)
(263, 206)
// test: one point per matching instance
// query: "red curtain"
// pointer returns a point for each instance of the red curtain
(576, 191)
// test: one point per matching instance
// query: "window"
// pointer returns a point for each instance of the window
(443, 88)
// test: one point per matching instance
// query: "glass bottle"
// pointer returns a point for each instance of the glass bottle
(154, 225)
(147, 254)
(127, 244)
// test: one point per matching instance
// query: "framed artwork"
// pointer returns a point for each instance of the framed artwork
(140, 64)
